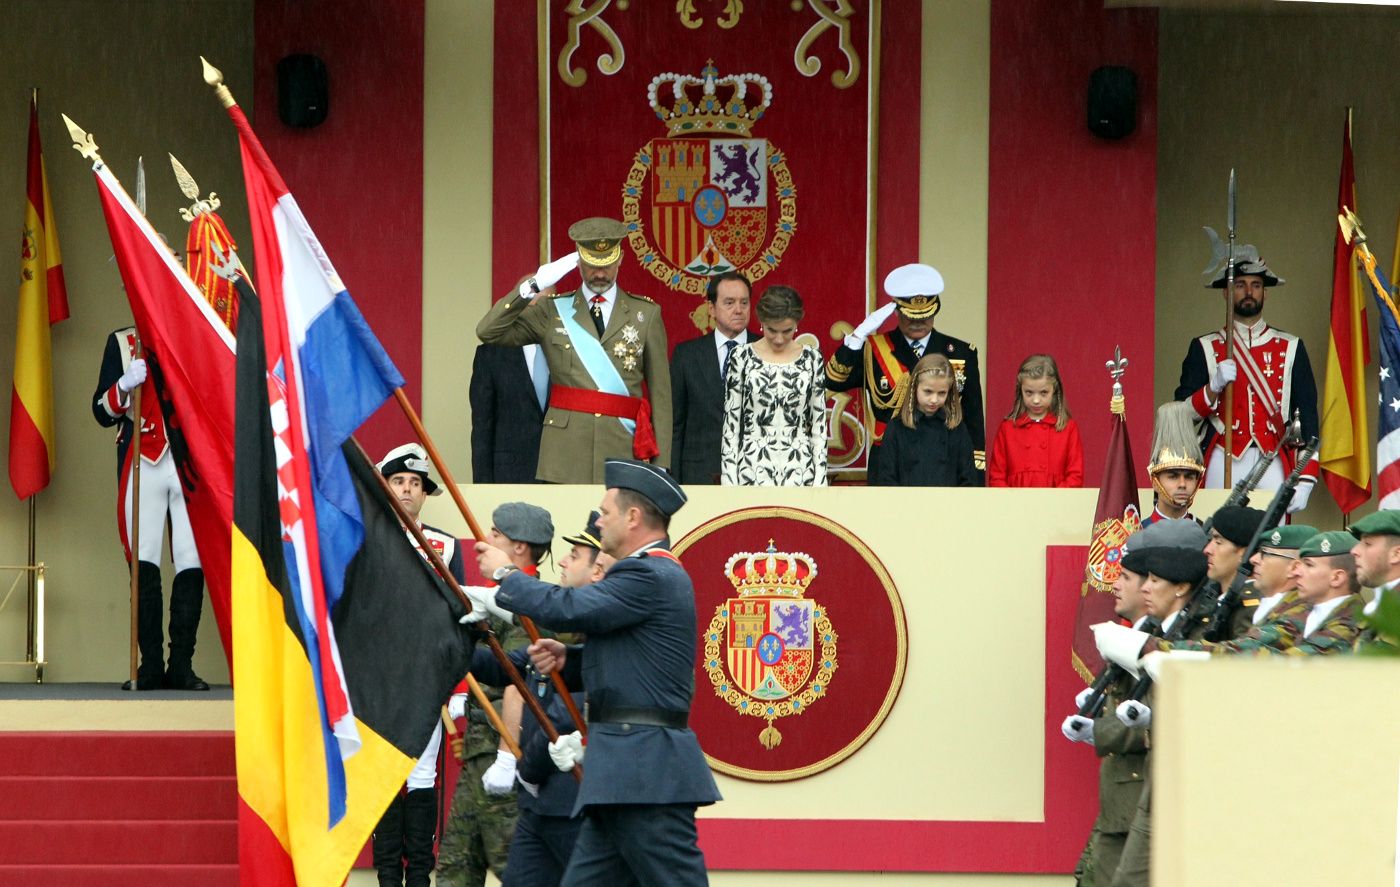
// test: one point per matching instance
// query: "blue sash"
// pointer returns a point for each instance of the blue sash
(595, 359)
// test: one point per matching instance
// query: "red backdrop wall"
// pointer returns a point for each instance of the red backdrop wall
(1071, 217)
(359, 175)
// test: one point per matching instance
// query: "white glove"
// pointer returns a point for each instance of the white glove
(530, 787)
(1134, 714)
(550, 273)
(134, 376)
(1120, 644)
(499, 778)
(484, 604)
(1152, 662)
(1077, 729)
(457, 706)
(1301, 494)
(1082, 697)
(856, 340)
(1224, 374)
(567, 751)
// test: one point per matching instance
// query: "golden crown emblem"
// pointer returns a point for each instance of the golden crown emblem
(771, 572)
(709, 103)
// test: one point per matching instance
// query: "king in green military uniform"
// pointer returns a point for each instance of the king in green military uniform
(880, 362)
(610, 394)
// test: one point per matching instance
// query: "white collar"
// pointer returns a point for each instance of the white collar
(1370, 608)
(922, 343)
(1266, 606)
(1321, 612)
(1170, 620)
(608, 297)
(721, 338)
(648, 546)
(1137, 625)
(1252, 332)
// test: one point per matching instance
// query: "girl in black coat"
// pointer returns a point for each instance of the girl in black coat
(928, 445)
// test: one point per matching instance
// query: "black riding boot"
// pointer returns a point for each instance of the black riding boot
(150, 638)
(186, 601)
(387, 844)
(419, 829)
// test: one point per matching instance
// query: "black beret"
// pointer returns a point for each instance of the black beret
(1238, 524)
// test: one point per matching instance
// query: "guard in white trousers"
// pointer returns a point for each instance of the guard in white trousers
(162, 505)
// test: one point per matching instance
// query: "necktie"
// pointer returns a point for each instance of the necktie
(728, 356)
(540, 375)
(596, 309)
(918, 348)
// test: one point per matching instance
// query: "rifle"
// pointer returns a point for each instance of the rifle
(1112, 671)
(1239, 495)
(1229, 599)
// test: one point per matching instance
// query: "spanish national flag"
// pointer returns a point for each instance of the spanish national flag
(43, 301)
(312, 785)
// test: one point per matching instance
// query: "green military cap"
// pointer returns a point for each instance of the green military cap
(1385, 522)
(1290, 537)
(599, 240)
(1333, 543)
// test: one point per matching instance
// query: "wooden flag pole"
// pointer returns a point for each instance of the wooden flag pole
(451, 485)
(485, 702)
(135, 521)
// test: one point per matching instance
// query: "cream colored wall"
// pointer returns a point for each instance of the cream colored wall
(1276, 772)
(1265, 91)
(128, 71)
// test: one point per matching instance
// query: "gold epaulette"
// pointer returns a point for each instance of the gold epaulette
(979, 460)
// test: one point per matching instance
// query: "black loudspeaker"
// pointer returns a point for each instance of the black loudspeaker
(303, 91)
(1112, 101)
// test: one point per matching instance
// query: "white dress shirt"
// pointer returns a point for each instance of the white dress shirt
(1320, 612)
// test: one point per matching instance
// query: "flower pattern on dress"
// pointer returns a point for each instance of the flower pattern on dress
(774, 421)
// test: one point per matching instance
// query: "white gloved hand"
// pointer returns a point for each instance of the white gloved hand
(1301, 494)
(484, 604)
(567, 751)
(499, 778)
(1119, 644)
(1134, 714)
(1152, 662)
(457, 706)
(134, 376)
(550, 273)
(856, 340)
(1077, 729)
(1224, 374)
(1082, 697)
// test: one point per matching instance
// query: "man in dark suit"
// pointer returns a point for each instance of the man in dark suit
(509, 393)
(697, 381)
(645, 772)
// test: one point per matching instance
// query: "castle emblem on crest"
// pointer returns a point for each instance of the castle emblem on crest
(709, 198)
(770, 652)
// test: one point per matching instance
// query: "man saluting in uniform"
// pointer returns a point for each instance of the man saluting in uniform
(610, 393)
(645, 772)
(880, 362)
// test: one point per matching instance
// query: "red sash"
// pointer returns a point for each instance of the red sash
(620, 406)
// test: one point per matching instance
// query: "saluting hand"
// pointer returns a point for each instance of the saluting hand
(548, 274)
(856, 340)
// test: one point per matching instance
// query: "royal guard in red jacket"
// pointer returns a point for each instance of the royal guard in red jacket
(1271, 375)
(162, 497)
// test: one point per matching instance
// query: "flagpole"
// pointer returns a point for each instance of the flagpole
(33, 587)
(485, 702)
(525, 622)
(135, 521)
(516, 679)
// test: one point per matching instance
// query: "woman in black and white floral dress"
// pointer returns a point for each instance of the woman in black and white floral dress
(775, 403)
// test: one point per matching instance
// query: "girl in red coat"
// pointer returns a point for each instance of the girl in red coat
(1037, 445)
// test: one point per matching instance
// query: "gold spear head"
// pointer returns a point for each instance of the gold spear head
(1351, 226)
(215, 78)
(182, 177)
(82, 141)
(191, 190)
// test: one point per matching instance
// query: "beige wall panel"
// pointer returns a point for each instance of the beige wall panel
(127, 71)
(1293, 758)
(1265, 92)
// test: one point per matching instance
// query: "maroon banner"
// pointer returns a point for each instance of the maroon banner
(801, 655)
(1115, 519)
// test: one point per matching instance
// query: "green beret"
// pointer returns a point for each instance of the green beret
(1333, 543)
(1385, 522)
(1288, 537)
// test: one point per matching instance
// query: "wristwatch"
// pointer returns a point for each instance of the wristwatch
(503, 572)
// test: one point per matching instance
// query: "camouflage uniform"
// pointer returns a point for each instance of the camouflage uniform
(479, 825)
(1121, 772)
(1338, 634)
(1282, 632)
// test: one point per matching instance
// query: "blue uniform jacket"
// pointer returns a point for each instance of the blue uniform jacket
(640, 622)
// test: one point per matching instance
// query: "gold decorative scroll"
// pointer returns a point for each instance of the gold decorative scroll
(609, 62)
(685, 9)
(839, 18)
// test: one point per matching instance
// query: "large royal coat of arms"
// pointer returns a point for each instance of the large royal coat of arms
(709, 197)
(770, 652)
